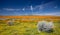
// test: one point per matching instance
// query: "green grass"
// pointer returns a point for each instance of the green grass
(25, 28)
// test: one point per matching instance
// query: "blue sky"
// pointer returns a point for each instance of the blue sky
(29, 7)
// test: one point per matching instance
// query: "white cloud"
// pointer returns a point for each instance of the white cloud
(41, 7)
(56, 7)
(52, 14)
(0, 10)
(34, 13)
(10, 9)
(23, 9)
(46, 5)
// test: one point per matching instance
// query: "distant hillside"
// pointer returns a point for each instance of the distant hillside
(52, 17)
(33, 18)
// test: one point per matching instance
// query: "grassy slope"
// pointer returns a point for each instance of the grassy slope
(26, 28)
